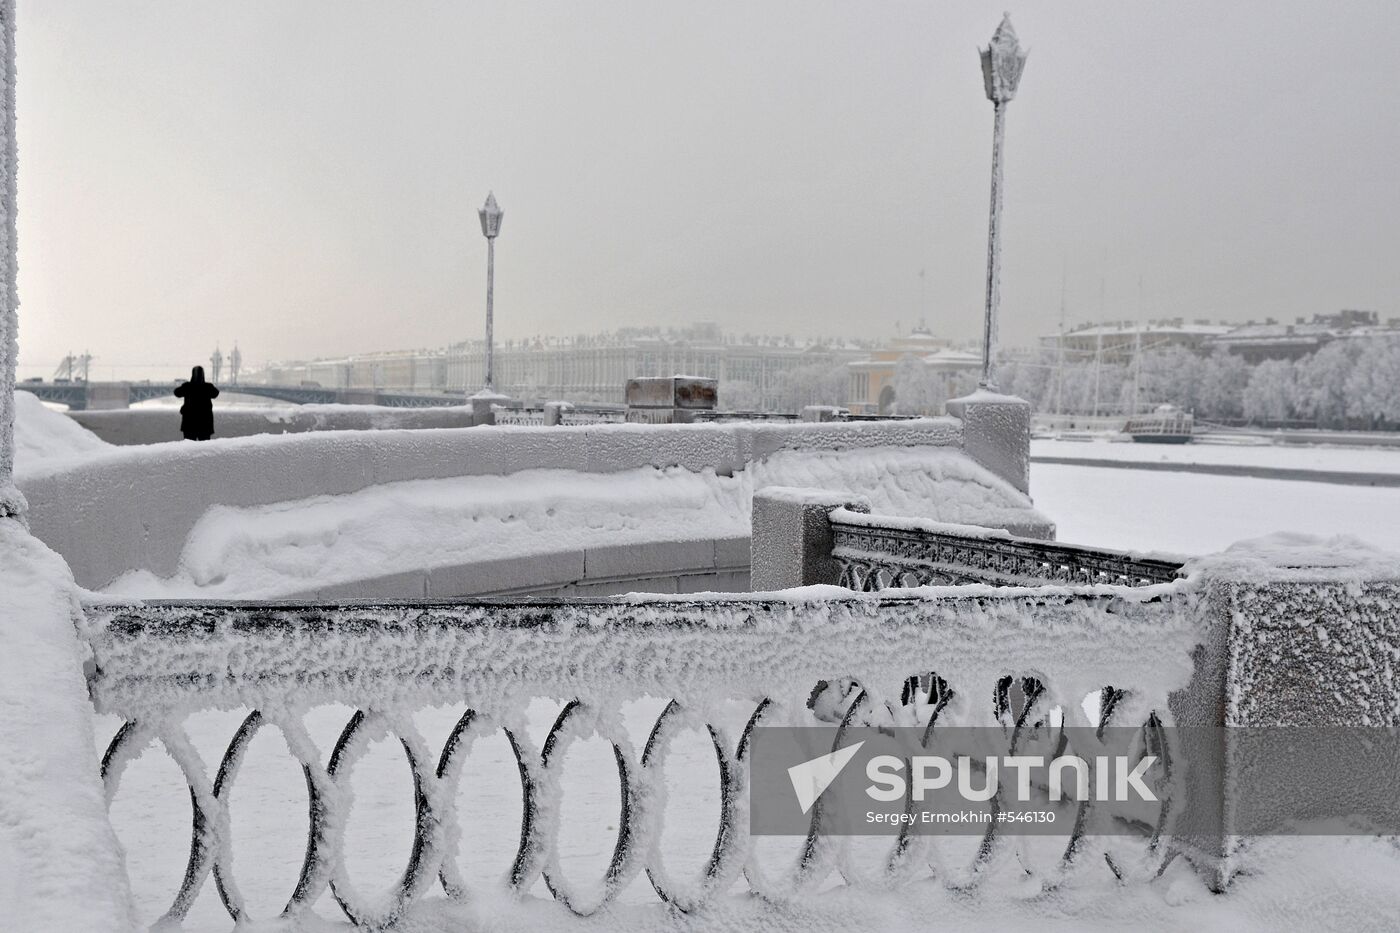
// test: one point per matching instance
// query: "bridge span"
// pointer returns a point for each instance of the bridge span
(79, 395)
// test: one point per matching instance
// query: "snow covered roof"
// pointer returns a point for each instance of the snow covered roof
(1129, 328)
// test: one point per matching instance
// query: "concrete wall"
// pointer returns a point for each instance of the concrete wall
(134, 507)
(694, 566)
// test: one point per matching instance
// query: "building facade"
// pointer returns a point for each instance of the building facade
(772, 373)
(944, 372)
(1116, 341)
(1273, 340)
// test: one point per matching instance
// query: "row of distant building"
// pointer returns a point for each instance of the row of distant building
(1117, 341)
(770, 372)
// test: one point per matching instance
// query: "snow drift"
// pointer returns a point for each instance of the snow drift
(47, 437)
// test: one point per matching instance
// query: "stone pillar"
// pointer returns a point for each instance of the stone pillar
(481, 404)
(791, 539)
(12, 503)
(554, 413)
(996, 432)
(1292, 715)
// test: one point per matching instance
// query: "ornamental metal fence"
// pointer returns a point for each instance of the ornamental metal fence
(1087, 657)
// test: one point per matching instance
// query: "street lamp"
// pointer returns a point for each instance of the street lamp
(1002, 62)
(490, 216)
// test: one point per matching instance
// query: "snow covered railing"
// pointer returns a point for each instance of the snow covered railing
(880, 551)
(964, 656)
(562, 414)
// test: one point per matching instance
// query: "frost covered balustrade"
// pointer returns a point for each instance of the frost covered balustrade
(877, 551)
(715, 667)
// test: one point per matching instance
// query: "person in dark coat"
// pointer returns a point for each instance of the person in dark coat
(197, 413)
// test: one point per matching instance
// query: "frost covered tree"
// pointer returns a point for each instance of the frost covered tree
(1270, 393)
(916, 389)
(1170, 376)
(822, 383)
(1029, 376)
(1223, 380)
(1320, 383)
(1373, 384)
(739, 395)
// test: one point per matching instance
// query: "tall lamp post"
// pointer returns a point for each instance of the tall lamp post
(11, 500)
(490, 215)
(1002, 62)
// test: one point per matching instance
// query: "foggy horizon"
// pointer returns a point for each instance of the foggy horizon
(304, 178)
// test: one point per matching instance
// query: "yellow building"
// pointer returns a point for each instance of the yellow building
(872, 389)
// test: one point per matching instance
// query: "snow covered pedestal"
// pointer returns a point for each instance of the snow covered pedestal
(997, 434)
(1297, 677)
(792, 539)
(669, 399)
(61, 868)
(481, 403)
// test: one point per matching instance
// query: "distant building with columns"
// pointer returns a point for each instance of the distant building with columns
(872, 388)
(769, 371)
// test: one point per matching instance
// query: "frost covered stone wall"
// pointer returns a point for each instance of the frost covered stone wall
(280, 516)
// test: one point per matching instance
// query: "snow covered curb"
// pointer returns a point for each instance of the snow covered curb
(60, 865)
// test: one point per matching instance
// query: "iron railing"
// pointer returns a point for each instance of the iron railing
(155, 664)
(876, 552)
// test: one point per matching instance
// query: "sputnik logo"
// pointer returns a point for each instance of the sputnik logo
(811, 778)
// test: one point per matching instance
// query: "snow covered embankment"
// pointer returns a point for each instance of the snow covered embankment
(292, 547)
(60, 866)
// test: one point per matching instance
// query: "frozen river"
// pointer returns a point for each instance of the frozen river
(1196, 513)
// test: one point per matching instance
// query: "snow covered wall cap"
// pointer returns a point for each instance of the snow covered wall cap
(1292, 557)
(1002, 63)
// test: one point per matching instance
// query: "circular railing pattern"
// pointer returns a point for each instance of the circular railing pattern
(1018, 705)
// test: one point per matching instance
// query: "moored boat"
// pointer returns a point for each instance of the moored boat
(1167, 425)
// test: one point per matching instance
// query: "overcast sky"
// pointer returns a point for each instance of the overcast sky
(303, 175)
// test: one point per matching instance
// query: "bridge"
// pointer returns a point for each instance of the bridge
(80, 395)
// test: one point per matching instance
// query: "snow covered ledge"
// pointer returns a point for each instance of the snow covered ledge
(61, 868)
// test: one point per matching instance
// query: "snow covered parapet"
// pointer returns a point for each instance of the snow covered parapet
(784, 660)
(135, 508)
(1281, 635)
